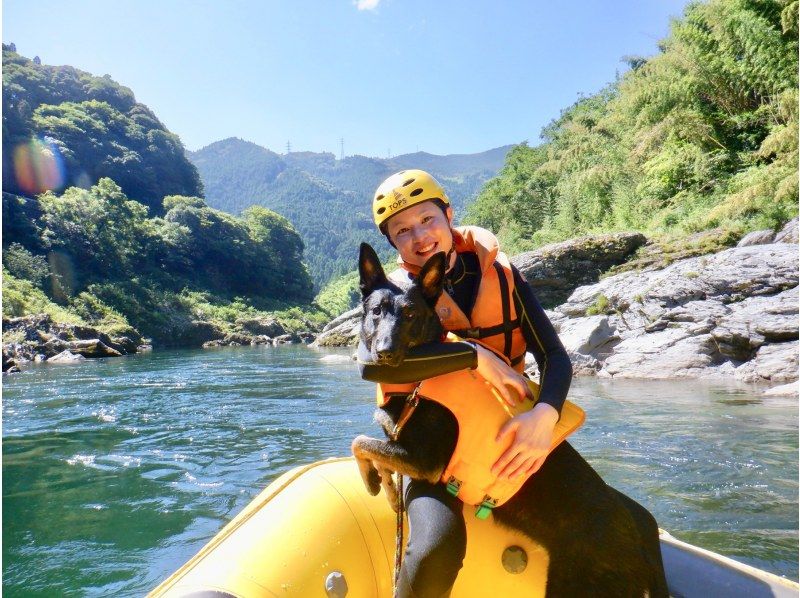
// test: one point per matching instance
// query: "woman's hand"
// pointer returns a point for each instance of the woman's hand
(533, 433)
(501, 375)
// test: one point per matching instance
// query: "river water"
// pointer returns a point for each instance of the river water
(116, 471)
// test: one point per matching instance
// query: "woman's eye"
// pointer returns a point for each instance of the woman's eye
(376, 311)
(427, 219)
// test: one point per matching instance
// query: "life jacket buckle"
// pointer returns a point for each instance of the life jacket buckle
(453, 486)
(483, 510)
(472, 332)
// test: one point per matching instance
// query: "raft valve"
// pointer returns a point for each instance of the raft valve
(515, 559)
(336, 585)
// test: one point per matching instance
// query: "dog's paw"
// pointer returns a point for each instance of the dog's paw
(373, 481)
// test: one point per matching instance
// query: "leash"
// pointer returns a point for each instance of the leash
(412, 401)
(398, 546)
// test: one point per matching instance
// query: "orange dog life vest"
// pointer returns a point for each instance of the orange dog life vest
(481, 412)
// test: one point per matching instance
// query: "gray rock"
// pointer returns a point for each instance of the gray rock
(307, 336)
(757, 237)
(586, 335)
(344, 333)
(261, 339)
(348, 316)
(261, 326)
(788, 234)
(236, 339)
(92, 348)
(9, 363)
(286, 339)
(784, 390)
(728, 276)
(755, 321)
(555, 270)
(66, 357)
(704, 316)
(775, 363)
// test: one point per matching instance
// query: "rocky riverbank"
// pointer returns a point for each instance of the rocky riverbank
(38, 338)
(731, 315)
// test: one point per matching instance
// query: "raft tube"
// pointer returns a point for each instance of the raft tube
(315, 531)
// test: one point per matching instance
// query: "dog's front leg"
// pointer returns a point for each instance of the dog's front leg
(369, 473)
(383, 458)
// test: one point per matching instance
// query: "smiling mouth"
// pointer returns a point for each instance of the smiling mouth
(427, 248)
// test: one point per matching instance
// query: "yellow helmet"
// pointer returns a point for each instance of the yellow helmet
(403, 190)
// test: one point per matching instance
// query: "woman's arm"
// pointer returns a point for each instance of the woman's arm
(532, 431)
(555, 367)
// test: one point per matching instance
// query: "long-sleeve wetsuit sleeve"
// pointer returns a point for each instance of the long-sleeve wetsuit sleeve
(420, 363)
(555, 368)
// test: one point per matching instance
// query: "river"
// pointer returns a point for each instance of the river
(116, 471)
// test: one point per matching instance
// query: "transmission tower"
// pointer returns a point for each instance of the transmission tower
(288, 147)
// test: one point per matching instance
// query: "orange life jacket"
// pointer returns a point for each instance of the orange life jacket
(476, 405)
(494, 321)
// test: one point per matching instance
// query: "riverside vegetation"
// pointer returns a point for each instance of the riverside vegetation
(692, 148)
(136, 250)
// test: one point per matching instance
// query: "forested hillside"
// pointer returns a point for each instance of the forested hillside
(103, 226)
(326, 199)
(702, 135)
(64, 127)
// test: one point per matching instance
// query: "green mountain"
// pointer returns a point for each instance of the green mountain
(328, 200)
(103, 224)
(700, 136)
(63, 126)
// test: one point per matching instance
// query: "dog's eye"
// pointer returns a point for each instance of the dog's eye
(410, 315)
(376, 310)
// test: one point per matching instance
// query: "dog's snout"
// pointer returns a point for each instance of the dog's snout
(386, 355)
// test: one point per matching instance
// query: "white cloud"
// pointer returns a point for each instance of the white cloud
(367, 4)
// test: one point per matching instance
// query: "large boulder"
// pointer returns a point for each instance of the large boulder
(555, 271)
(729, 314)
(66, 357)
(342, 331)
(788, 234)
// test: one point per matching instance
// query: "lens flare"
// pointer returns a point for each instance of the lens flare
(38, 166)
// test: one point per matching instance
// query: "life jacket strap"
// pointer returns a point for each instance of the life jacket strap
(479, 333)
(486, 506)
(453, 486)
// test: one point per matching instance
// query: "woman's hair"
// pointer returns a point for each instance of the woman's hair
(385, 229)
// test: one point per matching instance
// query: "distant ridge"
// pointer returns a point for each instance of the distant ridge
(326, 199)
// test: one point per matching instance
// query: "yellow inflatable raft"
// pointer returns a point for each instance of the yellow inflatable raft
(315, 531)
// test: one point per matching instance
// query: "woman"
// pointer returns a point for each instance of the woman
(486, 300)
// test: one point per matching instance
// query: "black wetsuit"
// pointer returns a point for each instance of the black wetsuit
(437, 532)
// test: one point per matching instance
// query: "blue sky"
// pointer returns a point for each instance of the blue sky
(388, 76)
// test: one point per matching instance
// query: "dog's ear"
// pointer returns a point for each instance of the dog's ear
(370, 270)
(431, 278)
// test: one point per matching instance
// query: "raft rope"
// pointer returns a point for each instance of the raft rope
(398, 547)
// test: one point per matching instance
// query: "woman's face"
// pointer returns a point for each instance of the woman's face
(420, 232)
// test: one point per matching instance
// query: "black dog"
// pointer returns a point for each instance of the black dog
(600, 542)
